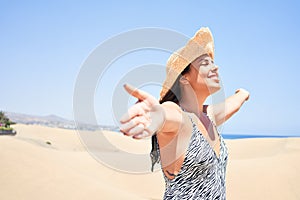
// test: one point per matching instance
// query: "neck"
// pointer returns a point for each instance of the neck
(192, 102)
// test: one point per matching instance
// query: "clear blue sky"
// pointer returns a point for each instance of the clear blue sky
(44, 43)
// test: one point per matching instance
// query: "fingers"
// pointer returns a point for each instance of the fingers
(142, 135)
(136, 132)
(241, 90)
(126, 127)
(135, 110)
(144, 126)
(136, 122)
(137, 127)
(139, 94)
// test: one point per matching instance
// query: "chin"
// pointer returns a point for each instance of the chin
(214, 89)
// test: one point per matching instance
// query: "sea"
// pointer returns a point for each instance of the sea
(242, 136)
(245, 136)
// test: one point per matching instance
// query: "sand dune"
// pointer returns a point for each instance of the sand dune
(264, 169)
(49, 163)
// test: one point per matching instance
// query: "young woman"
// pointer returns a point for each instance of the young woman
(185, 139)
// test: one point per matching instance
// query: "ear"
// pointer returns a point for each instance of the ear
(184, 80)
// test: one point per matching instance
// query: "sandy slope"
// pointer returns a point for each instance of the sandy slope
(48, 163)
(264, 169)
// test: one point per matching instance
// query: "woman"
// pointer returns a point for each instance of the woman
(185, 139)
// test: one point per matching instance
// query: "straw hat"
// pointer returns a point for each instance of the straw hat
(201, 43)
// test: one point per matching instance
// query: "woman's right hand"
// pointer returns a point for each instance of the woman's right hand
(144, 118)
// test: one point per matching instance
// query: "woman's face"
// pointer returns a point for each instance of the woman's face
(203, 75)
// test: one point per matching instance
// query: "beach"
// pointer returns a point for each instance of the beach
(49, 163)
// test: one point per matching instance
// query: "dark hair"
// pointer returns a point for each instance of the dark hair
(174, 95)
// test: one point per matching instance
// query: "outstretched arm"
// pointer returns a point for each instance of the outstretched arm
(221, 112)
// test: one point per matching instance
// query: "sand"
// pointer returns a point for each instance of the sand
(50, 163)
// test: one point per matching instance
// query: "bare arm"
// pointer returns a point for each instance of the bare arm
(221, 112)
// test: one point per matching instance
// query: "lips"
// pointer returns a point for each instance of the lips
(214, 77)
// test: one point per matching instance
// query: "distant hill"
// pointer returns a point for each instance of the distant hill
(54, 121)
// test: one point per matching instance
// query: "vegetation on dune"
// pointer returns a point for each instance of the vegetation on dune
(5, 122)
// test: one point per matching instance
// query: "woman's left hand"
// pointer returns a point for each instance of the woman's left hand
(245, 92)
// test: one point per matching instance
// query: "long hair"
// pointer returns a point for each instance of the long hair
(174, 95)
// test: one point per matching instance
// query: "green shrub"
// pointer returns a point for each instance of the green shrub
(6, 129)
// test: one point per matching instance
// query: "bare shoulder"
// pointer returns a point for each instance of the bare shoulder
(176, 120)
(179, 137)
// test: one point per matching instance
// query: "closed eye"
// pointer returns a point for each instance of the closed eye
(206, 62)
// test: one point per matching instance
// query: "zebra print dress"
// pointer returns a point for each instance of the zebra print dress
(202, 175)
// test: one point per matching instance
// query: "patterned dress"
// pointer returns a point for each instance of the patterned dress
(202, 175)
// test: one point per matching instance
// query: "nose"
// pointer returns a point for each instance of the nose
(214, 67)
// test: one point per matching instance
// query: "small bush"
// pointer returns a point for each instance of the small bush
(6, 129)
